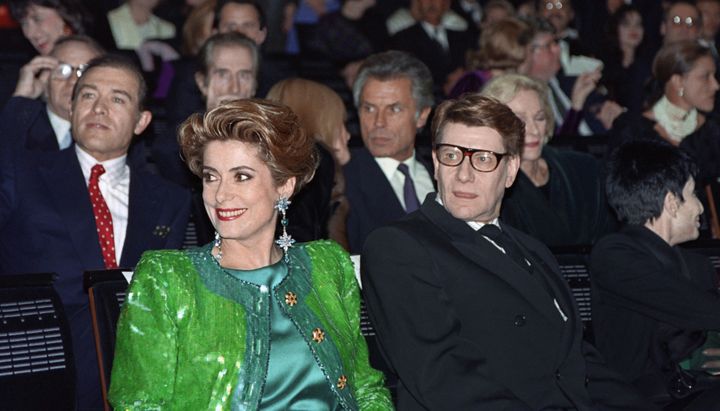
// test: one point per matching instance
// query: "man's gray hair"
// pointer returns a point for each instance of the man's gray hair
(391, 65)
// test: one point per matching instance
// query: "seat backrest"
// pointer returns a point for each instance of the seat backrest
(574, 266)
(37, 370)
(106, 292)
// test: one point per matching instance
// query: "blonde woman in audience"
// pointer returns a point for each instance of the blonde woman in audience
(503, 47)
(558, 196)
(322, 114)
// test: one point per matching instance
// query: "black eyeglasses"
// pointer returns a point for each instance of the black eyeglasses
(64, 71)
(483, 161)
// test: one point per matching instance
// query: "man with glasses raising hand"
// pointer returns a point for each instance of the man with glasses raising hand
(469, 312)
(29, 122)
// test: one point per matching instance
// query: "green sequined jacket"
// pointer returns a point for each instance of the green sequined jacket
(192, 337)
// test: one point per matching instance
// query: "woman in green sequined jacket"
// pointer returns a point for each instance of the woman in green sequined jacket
(245, 322)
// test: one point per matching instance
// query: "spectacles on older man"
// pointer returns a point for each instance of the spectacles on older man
(64, 71)
(484, 161)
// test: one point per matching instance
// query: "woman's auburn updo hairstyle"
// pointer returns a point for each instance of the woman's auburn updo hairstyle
(269, 126)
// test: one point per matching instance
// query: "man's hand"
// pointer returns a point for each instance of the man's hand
(608, 112)
(34, 76)
(584, 85)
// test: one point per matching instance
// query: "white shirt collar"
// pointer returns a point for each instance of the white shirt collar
(116, 170)
(436, 32)
(389, 165)
(61, 128)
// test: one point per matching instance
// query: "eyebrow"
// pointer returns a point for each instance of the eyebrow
(234, 169)
(115, 90)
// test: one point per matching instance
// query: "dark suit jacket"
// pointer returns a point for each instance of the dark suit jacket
(373, 202)
(416, 41)
(465, 327)
(47, 225)
(644, 290)
(25, 122)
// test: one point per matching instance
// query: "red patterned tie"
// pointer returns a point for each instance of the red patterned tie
(103, 219)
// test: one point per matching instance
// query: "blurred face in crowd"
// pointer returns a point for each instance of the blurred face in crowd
(558, 12)
(543, 59)
(432, 11)
(699, 85)
(106, 112)
(242, 18)
(526, 105)
(466, 193)
(42, 26)
(239, 192)
(494, 14)
(630, 30)
(340, 149)
(710, 12)
(681, 23)
(686, 215)
(614, 5)
(72, 56)
(389, 117)
(230, 76)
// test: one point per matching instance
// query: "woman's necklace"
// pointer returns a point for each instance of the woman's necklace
(677, 122)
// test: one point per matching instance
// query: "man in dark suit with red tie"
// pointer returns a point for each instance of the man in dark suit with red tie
(471, 313)
(84, 208)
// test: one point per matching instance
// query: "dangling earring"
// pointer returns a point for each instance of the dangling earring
(218, 245)
(284, 241)
(681, 92)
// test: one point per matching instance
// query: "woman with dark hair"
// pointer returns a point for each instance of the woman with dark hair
(627, 60)
(246, 322)
(680, 109)
(45, 21)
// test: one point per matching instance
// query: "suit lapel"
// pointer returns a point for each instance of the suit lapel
(477, 249)
(69, 194)
(377, 188)
(143, 210)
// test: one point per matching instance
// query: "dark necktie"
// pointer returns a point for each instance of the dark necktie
(557, 101)
(494, 233)
(409, 194)
(103, 218)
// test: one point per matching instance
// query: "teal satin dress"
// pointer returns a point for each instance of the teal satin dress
(294, 379)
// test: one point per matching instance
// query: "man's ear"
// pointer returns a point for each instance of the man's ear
(671, 204)
(513, 165)
(436, 165)
(142, 123)
(201, 84)
(422, 118)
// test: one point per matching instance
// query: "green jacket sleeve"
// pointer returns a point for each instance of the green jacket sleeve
(146, 348)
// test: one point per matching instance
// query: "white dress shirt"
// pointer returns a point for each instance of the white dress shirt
(421, 178)
(115, 189)
(61, 127)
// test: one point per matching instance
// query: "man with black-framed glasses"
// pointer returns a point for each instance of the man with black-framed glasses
(38, 114)
(469, 312)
